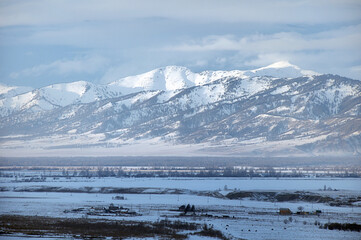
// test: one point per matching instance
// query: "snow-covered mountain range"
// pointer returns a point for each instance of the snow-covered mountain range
(278, 110)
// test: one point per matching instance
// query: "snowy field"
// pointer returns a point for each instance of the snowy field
(237, 219)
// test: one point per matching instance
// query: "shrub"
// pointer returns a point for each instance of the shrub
(211, 232)
(343, 226)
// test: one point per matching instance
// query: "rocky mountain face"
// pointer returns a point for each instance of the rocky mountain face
(278, 110)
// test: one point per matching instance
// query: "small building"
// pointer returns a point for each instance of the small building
(285, 211)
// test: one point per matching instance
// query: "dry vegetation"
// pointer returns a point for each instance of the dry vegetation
(96, 228)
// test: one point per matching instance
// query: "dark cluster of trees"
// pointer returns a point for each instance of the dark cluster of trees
(183, 172)
(186, 172)
(342, 226)
(100, 172)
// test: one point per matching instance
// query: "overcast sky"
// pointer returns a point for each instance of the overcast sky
(44, 42)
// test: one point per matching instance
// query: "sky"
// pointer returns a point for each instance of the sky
(45, 42)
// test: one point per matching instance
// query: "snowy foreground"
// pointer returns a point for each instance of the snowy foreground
(236, 219)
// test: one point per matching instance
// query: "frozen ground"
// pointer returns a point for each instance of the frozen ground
(244, 219)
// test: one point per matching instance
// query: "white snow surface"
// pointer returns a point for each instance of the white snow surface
(253, 219)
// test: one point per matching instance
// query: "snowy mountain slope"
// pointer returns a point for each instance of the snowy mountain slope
(171, 78)
(175, 77)
(55, 96)
(167, 78)
(10, 91)
(220, 114)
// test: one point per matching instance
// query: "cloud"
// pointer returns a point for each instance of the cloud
(266, 59)
(44, 12)
(135, 36)
(346, 38)
(332, 51)
(88, 65)
(113, 74)
(356, 69)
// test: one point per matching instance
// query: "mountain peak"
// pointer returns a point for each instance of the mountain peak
(174, 77)
(281, 64)
(173, 68)
(78, 87)
(164, 78)
(281, 69)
